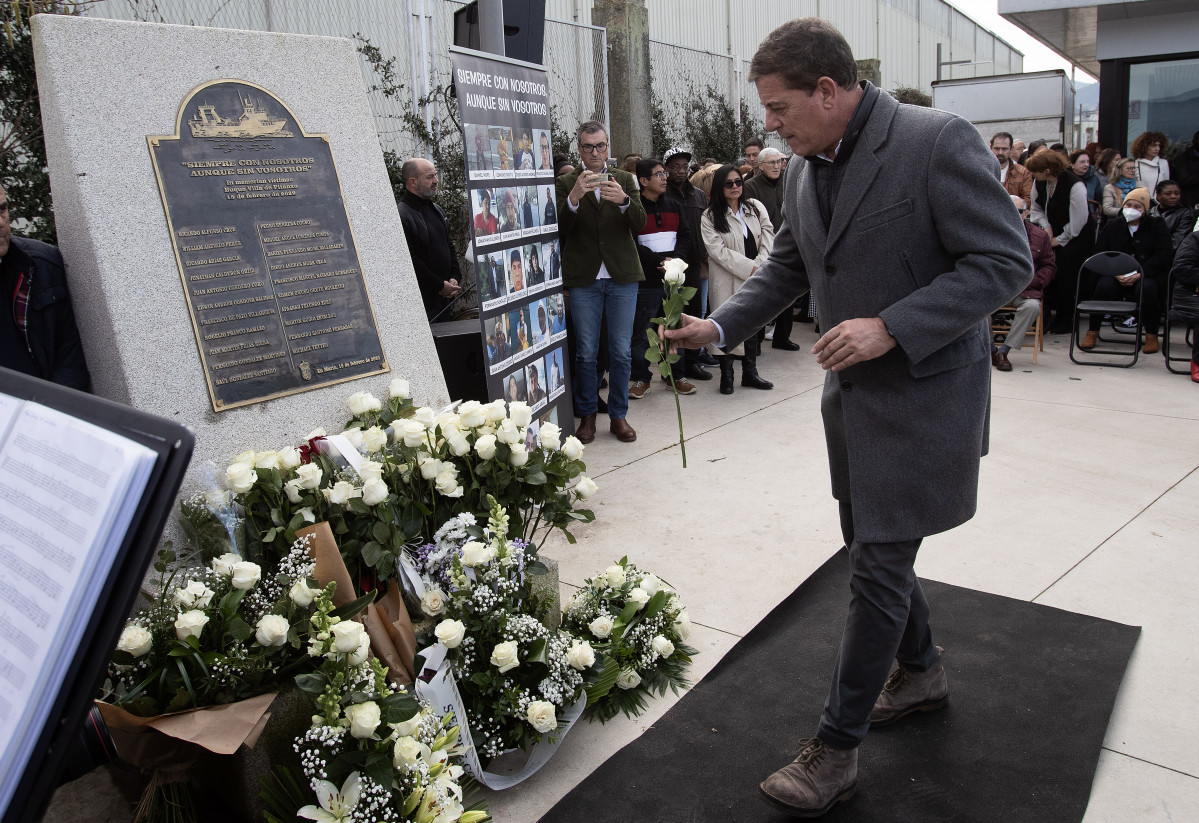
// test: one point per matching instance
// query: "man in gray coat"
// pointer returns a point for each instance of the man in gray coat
(899, 225)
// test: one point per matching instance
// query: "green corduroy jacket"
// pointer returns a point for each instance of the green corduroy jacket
(599, 232)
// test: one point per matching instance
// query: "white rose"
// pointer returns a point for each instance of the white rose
(315, 433)
(475, 553)
(407, 752)
(135, 640)
(639, 596)
(410, 432)
(246, 457)
(374, 439)
(432, 602)
(580, 655)
(472, 414)
(407, 727)
(497, 410)
(347, 636)
(520, 413)
(309, 476)
(363, 402)
(517, 455)
(268, 460)
(272, 630)
(301, 594)
(672, 271)
(682, 625)
(341, 492)
(354, 435)
(223, 565)
(628, 679)
(450, 633)
(662, 646)
(601, 626)
(651, 584)
(190, 624)
(459, 445)
(364, 718)
(289, 457)
(308, 514)
(292, 489)
(430, 467)
(449, 424)
(615, 575)
(541, 716)
(240, 478)
(485, 447)
(585, 487)
(246, 575)
(399, 389)
(505, 656)
(572, 448)
(360, 654)
(510, 433)
(195, 595)
(374, 492)
(446, 483)
(550, 437)
(425, 416)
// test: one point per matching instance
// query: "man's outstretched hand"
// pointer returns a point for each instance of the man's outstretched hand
(692, 333)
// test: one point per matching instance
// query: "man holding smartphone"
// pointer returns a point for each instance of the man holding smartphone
(599, 214)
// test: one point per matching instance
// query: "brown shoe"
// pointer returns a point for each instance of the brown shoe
(638, 389)
(999, 360)
(907, 692)
(586, 430)
(1089, 340)
(1151, 345)
(814, 782)
(623, 431)
(684, 386)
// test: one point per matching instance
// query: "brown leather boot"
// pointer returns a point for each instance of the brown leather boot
(1089, 340)
(1151, 344)
(908, 692)
(586, 430)
(623, 431)
(814, 782)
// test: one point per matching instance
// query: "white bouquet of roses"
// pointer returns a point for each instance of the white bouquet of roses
(638, 627)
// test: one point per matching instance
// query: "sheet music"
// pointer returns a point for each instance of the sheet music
(68, 491)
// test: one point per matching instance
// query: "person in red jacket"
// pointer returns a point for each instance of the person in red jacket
(1028, 302)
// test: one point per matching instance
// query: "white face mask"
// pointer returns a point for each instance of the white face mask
(1132, 214)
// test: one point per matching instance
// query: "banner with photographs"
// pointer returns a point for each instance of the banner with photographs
(504, 107)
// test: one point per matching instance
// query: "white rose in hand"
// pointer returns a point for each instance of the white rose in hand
(240, 478)
(672, 271)
(432, 602)
(363, 402)
(450, 633)
(135, 640)
(542, 716)
(505, 656)
(580, 655)
(662, 646)
(585, 487)
(601, 626)
(347, 636)
(272, 630)
(628, 679)
(190, 624)
(246, 575)
(364, 719)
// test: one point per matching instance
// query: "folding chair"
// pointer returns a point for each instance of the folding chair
(1106, 264)
(1176, 318)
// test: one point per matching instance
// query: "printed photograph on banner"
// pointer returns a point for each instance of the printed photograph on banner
(549, 209)
(518, 323)
(550, 416)
(557, 309)
(541, 324)
(524, 149)
(530, 215)
(535, 277)
(553, 260)
(501, 150)
(516, 272)
(545, 155)
(553, 373)
(499, 351)
(479, 160)
(535, 381)
(509, 214)
(531, 433)
(486, 223)
(515, 387)
(493, 285)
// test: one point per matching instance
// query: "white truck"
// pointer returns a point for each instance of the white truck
(1032, 106)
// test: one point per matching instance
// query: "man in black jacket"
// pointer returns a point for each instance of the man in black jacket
(38, 335)
(428, 234)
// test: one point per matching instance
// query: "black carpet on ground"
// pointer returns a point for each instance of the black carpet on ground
(1031, 692)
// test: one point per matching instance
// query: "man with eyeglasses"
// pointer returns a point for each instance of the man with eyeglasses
(767, 188)
(599, 213)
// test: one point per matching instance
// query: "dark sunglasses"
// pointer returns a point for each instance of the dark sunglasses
(732, 184)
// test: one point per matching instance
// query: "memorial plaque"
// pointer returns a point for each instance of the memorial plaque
(263, 243)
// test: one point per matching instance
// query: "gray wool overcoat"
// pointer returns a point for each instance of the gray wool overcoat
(924, 236)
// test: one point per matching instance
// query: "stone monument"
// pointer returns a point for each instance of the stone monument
(235, 254)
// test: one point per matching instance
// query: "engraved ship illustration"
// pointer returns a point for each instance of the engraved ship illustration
(254, 122)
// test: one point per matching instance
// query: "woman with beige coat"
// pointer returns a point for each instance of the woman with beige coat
(739, 236)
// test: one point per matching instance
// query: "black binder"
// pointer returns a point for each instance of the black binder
(174, 444)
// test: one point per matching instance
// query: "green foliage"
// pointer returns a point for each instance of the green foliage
(713, 126)
(912, 96)
(281, 794)
(561, 135)
(662, 127)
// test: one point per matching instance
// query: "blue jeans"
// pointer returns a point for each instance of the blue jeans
(587, 307)
(649, 306)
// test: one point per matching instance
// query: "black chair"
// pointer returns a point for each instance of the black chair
(1106, 264)
(1176, 317)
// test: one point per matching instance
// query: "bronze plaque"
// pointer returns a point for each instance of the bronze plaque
(264, 246)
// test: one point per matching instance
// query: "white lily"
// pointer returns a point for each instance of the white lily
(336, 806)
